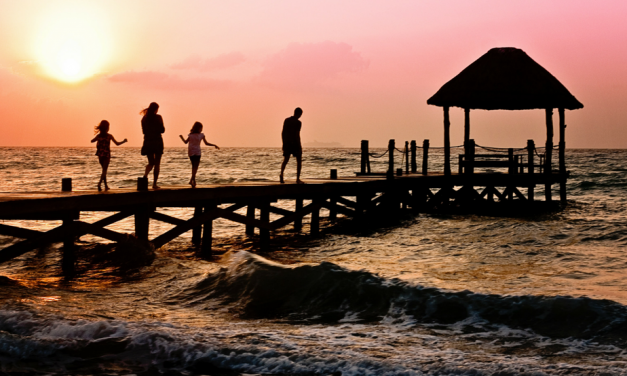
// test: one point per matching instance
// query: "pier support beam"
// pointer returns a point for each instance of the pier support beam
(315, 218)
(196, 232)
(333, 211)
(207, 233)
(68, 261)
(142, 222)
(250, 214)
(264, 233)
(298, 222)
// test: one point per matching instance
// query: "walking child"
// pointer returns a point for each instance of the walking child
(193, 148)
(103, 150)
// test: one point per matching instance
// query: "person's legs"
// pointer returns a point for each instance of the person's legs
(286, 158)
(104, 162)
(150, 165)
(103, 173)
(156, 171)
(195, 164)
(299, 165)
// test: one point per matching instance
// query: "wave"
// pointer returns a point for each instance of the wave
(257, 288)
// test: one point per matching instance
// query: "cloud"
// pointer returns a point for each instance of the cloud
(311, 63)
(160, 80)
(224, 61)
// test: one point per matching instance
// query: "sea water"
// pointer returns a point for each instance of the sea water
(419, 294)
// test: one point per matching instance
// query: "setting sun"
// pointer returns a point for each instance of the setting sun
(72, 44)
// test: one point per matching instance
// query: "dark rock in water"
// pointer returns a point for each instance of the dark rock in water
(133, 253)
(6, 281)
(98, 348)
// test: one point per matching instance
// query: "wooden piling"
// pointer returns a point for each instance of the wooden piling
(142, 184)
(250, 214)
(68, 260)
(197, 231)
(264, 233)
(314, 227)
(207, 233)
(333, 210)
(142, 222)
(469, 147)
(466, 125)
(298, 222)
(66, 184)
(447, 142)
(425, 157)
(414, 165)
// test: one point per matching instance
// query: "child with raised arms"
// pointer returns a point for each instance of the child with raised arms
(193, 148)
(103, 150)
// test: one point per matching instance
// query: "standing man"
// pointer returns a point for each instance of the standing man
(291, 143)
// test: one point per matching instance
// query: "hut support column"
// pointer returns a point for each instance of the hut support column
(466, 125)
(562, 156)
(549, 154)
(447, 142)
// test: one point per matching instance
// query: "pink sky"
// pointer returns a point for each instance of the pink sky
(359, 69)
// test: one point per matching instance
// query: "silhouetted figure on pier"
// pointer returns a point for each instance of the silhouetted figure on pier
(193, 148)
(291, 143)
(103, 150)
(152, 128)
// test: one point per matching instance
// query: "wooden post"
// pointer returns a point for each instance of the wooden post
(531, 147)
(414, 165)
(196, 231)
(66, 184)
(562, 155)
(142, 222)
(333, 211)
(365, 155)
(425, 157)
(447, 142)
(264, 234)
(68, 260)
(315, 219)
(470, 157)
(250, 214)
(142, 184)
(549, 154)
(298, 222)
(207, 233)
(466, 125)
(511, 166)
(391, 147)
(333, 174)
(407, 157)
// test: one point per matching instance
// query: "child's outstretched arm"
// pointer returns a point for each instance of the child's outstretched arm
(94, 139)
(208, 144)
(185, 140)
(118, 143)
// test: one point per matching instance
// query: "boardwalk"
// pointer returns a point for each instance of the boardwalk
(347, 196)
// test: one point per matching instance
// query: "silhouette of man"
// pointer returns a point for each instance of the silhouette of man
(291, 143)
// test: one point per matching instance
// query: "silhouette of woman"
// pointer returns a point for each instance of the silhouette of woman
(152, 128)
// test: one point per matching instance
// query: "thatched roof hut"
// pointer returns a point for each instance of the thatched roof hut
(505, 79)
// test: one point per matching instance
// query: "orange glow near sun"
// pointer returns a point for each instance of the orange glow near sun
(72, 43)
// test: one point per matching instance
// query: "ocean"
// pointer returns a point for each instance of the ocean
(415, 295)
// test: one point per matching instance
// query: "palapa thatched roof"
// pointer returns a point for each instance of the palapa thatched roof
(505, 79)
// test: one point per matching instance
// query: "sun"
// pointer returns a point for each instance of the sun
(72, 43)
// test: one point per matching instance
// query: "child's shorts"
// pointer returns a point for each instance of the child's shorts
(194, 158)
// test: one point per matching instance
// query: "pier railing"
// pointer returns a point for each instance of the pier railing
(528, 159)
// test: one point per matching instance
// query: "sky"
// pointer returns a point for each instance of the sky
(360, 70)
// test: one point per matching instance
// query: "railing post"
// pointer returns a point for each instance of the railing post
(511, 163)
(414, 165)
(447, 142)
(407, 157)
(365, 155)
(425, 157)
(391, 147)
(531, 147)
